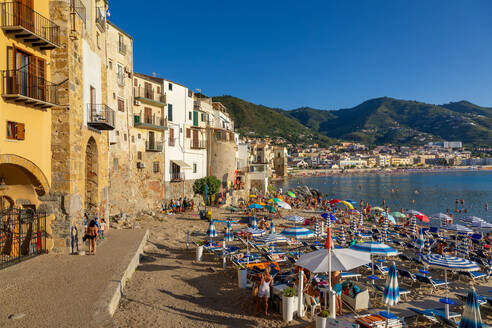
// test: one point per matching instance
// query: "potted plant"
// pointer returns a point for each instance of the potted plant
(199, 250)
(242, 276)
(321, 318)
(288, 306)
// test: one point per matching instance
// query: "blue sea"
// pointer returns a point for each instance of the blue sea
(427, 192)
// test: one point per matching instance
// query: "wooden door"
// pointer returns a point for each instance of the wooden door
(22, 61)
(148, 91)
(195, 138)
(23, 13)
(93, 103)
(151, 140)
(148, 115)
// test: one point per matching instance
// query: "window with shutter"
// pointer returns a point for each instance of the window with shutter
(121, 105)
(20, 131)
(188, 133)
(170, 112)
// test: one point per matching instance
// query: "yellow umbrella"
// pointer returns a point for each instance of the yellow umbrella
(261, 203)
(252, 196)
(271, 201)
(347, 204)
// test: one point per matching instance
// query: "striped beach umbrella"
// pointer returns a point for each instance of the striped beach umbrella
(451, 263)
(298, 232)
(375, 248)
(317, 229)
(391, 294)
(341, 237)
(211, 232)
(420, 240)
(463, 247)
(385, 229)
(254, 224)
(228, 235)
(413, 225)
(361, 220)
(471, 317)
(272, 238)
(481, 225)
(272, 227)
(457, 228)
(253, 231)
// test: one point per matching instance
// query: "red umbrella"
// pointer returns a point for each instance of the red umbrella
(422, 217)
(329, 242)
(334, 201)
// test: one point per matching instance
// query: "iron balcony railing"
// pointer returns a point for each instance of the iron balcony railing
(100, 116)
(153, 146)
(177, 176)
(196, 105)
(22, 235)
(151, 122)
(24, 86)
(27, 24)
(100, 18)
(78, 7)
(198, 144)
(141, 92)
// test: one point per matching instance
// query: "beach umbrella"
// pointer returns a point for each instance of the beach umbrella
(272, 227)
(347, 204)
(391, 294)
(353, 226)
(255, 206)
(457, 228)
(228, 235)
(413, 225)
(317, 229)
(481, 225)
(341, 237)
(471, 317)
(274, 200)
(449, 263)
(254, 224)
(271, 209)
(284, 205)
(385, 229)
(421, 240)
(298, 232)
(353, 202)
(261, 203)
(294, 218)
(390, 218)
(361, 220)
(334, 201)
(377, 209)
(462, 247)
(272, 238)
(471, 219)
(291, 194)
(440, 216)
(211, 232)
(252, 196)
(398, 215)
(342, 259)
(375, 248)
(253, 231)
(412, 212)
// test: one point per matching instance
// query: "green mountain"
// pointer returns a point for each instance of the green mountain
(375, 121)
(258, 120)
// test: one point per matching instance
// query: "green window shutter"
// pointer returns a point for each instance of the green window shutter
(170, 112)
(195, 118)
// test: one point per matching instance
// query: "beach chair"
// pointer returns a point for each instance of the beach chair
(404, 257)
(403, 291)
(408, 275)
(350, 275)
(474, 275)
(311, 304)
(434, 283)
(434, 232)
(426, 314)
(480, 299)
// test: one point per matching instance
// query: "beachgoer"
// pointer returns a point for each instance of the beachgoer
(486, 206)
(488, 238)
(266, 281)
(91, 234)
(102, 228)
(337, 287)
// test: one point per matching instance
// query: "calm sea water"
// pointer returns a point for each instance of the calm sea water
(430, 192)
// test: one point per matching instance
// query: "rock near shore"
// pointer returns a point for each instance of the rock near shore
(304, 192)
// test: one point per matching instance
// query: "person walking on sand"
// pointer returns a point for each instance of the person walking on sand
(91, 234)
(266, 282)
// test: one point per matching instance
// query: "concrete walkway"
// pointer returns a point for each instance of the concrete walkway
(68, 290)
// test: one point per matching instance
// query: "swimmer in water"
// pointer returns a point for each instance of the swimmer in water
(486, 206)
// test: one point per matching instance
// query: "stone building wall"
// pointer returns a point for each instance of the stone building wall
(70, 133)
(222, 156)
(175, 190)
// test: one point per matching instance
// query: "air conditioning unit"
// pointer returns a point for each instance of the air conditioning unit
(137, 102)
(140, 165)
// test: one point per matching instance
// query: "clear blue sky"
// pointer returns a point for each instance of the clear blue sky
(324, 54)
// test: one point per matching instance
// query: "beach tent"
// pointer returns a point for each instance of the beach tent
(449, 263)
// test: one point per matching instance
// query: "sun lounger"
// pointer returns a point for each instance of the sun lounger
(427, 314)
(408, 275)
(482, 300)
(435, 283)
(350, 275)
(474, 275)
(404, 257)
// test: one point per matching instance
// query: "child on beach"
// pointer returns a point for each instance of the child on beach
(102, 228)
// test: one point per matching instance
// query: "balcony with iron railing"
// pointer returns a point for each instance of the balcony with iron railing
(153, 146)
(100, 18)
(150, 122)
(149, 96)
(177, 176)
(198, 144)
(25, 24)
(100, 117)
(22, 86)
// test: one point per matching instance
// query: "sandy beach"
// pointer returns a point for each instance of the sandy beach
(171, 289)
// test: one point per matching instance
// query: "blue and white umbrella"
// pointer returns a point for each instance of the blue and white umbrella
(298, 232)
(317, 229)
(254, 224)
(446, 263)
(463, 247)
(341, 237)
(211, 232)
(421, 240)
(228, 235)
(271, 238)
(253, 231)
(457, 228)
(472, 219)
(385, 229)
(361, 220)
(353, 226)
(295, 218)
(471, 317)
(481, 225)
(440, 217)
(413, 225)
(391, 294)
(375, 248)
(272, 227)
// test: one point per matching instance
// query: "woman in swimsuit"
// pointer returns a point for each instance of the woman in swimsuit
(266, 282)
(337, 287)
(91, 234)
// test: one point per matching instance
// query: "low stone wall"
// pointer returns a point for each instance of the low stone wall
(175, 190)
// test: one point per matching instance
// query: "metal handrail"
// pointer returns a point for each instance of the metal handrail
(17, 14)
(24, 83)
(141, 92)
(198, 144)
(100, 113)
(153, 146)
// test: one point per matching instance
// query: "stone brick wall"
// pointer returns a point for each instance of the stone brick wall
(175, 190)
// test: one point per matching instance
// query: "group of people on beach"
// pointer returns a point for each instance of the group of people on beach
(180, 205)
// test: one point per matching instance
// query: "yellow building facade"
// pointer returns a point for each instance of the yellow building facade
(27, 97)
